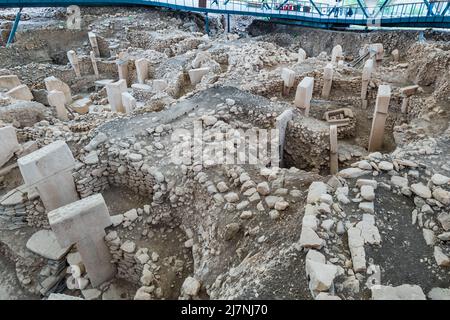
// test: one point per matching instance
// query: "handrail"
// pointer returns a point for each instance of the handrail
(409, 14)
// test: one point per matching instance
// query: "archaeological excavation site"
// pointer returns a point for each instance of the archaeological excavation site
(151, 153)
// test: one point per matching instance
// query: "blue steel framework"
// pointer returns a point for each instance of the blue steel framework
(426, 13)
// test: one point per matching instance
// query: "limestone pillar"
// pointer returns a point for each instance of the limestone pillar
(281, 125)
(288, 77)
(379, 118)
(304, 94)
(301, 55)
(406, 93)
(366, 76)
(327, 81)
(8, 144)
(94, 64)
(49, 170)
(122, 66)
(114, 92)
(93, 40)
(129, 102)
(336, 54)
(57, 100)
(53, 83)
(395, 55)
(83, 223)
(379, 51)
(334, 164)
(141, 70)
(73, 59)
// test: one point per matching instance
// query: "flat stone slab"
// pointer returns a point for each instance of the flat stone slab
(16, 196)
(60, 296)
(44, 243)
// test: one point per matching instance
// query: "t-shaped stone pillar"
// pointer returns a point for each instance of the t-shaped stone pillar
(301, 55)
(379, 118)
(281, 125)
(366, 76)
(141, 70)
(49, 170)
(129, 102)
(94, 44)
(378, 49)
(73, 59)
(57, 100)
(122, 67)
(327, 80)
(94, 63)
(334, 164)
(336, 54)
(304, 94)
(83, 222)
(53, 83)
(407, 92)
(288, 77)
(114, 91)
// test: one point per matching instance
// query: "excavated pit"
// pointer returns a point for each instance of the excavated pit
(171, 222)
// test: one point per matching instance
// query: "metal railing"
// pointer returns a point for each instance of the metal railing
(403, 13)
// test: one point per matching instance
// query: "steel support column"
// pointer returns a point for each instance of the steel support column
(444, 12)
(429, 8)
(315, 7)
(14, 28)
(282, 4)
(385, 3)
(363, 8)
(206, 23)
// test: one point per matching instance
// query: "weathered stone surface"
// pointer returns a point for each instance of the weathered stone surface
(316, 189)
(439, 294)
(441, 258)
(421, 190)
(321, 275)
(45, 244)
(403, 292)
(191, 286)
(310, 239)
(352, 173)
(8, 144)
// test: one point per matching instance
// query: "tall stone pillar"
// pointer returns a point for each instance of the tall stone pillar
(304, 94)
(83, 223)
(114, 92)
(49, 170)
(327, 81)
(129, 102)
(281, 125)
(334, 161)
(57, 100)
(141, 70)
(366, 76)
(301, 55)
(406, 93)
(94, 44)
(73, 59)
(122, 66)
(337, 54)
(379, 118)
(94, 64)
(288, 77)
